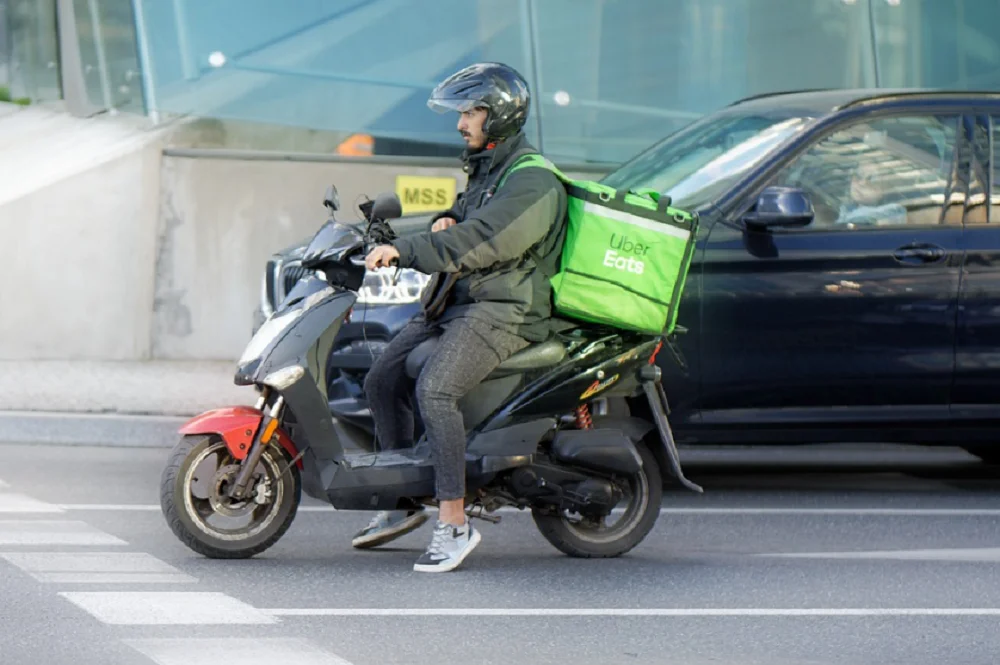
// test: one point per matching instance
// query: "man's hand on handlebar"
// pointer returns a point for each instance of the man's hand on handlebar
(381, 256)
(442, 224)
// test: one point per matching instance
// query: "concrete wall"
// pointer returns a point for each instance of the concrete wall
(79, 204)
(115, 251)
(219, 222)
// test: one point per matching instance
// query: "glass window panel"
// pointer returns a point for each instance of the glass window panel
(879, 173)
(356, 67)
(938, 43)
(34, 50)
(617, 75)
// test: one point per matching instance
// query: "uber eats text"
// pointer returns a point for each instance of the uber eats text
(622, 254)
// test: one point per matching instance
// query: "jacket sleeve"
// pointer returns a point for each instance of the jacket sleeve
(450, 212)
(519, 215)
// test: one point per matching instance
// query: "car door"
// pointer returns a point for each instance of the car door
(856, 310)
(976, 391)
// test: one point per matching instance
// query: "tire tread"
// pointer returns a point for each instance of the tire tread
(172, 513)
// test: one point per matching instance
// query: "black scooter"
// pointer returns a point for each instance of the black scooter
(233, 483)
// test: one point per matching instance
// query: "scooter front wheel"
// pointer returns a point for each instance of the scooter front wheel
(589, 537)
(194, 501)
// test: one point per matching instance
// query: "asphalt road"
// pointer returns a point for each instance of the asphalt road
(838, 555)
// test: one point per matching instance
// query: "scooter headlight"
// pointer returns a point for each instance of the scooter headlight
(284, 377)
(378, 289)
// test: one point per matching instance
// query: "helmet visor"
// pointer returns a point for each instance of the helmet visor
(443, 105)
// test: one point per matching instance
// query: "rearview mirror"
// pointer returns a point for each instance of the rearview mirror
(780, 206)
(331, 199)
(387, 206)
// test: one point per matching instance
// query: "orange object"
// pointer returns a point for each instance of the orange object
(652, 358)
(357, 145)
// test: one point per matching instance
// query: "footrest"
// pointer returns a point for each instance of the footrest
(406, 457)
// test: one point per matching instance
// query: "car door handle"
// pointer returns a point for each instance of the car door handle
(919, 253)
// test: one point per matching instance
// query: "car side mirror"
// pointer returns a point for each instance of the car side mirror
(387, 206)
(780, 206)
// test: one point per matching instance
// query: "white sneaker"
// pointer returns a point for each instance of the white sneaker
(448, 549)
(388, 526)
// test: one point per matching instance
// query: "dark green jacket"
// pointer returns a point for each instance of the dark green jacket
(481, 266)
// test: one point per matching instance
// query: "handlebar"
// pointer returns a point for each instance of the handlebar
(379, 233)
(338, 247)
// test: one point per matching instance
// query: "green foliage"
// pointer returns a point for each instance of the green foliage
(6, 97)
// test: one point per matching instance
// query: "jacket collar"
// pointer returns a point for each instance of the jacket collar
(494, 158)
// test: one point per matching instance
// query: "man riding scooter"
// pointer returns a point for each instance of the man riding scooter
(487, 300)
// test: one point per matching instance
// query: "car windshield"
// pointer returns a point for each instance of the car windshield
(698, 163)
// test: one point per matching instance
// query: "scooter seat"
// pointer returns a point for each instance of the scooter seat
(536, 356)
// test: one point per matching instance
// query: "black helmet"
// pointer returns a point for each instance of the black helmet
(490, 85)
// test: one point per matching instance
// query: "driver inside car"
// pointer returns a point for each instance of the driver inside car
(868, 204)
(487, 298)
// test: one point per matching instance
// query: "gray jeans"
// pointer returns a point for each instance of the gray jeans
(468, 351)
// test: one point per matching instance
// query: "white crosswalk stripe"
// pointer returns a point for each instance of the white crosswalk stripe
(140, 608)
(185, 651)
(52, 532)
(21, 503)
(96, 567)
(114, 578)
(166, 608)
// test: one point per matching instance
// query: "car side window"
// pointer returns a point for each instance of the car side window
(882, 172)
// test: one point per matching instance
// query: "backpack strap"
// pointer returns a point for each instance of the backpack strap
(528, 158)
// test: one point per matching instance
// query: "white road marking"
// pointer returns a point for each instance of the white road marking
(21, 503)
(152, 507)
(3, 485)
(637, 612)
(96, 567)
(980, 554)
(163, 608)
(114, 578)
(187, 651)
(110, 507)
(884, 512)
(52, 532)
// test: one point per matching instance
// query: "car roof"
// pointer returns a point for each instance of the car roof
(826, 101)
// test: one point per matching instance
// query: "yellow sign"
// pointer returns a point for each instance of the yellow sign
(420, 193)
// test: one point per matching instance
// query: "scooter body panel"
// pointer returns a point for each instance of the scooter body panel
(236, 425)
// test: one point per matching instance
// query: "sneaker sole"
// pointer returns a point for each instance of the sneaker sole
(388, 535)
(455, 563)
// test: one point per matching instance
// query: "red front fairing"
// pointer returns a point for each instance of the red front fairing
(236, 425)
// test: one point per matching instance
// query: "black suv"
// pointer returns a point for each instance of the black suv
(867, 310)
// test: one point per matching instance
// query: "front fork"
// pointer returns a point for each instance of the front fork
(261, 439)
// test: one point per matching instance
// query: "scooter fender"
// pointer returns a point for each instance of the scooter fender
(236, 425)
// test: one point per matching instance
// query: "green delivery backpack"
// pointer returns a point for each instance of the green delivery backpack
(626, 255)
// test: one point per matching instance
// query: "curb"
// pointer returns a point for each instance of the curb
(89, 429)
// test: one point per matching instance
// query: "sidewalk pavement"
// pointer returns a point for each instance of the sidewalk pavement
(108, 402)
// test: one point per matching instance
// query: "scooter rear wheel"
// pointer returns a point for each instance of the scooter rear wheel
(585, 538)
(193, 500)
